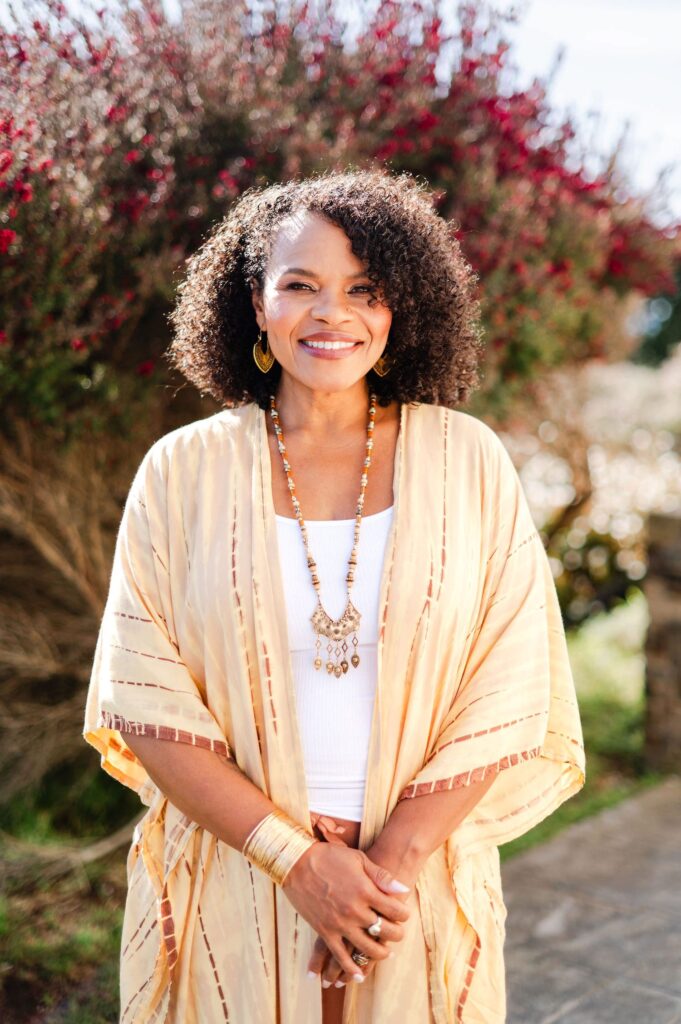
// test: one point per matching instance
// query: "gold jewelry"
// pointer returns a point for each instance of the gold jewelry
(263, 359)
(361, 959)
(382, 366)
(374, 930)
(334, 629)
(276, 844)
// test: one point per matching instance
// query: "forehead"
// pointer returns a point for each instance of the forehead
(306, 235)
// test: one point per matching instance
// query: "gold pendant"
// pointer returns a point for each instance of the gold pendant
(336, 630)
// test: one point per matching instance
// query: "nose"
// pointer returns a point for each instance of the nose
(330, 306)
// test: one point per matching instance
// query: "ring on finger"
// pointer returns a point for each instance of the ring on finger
(361, 959)
(374, 929)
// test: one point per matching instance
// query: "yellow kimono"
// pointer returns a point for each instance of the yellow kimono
(473, 678)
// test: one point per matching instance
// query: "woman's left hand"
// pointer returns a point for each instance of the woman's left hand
(323, 962)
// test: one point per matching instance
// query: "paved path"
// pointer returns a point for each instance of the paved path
(593, 934)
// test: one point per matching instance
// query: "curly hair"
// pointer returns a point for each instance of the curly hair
(410, 254)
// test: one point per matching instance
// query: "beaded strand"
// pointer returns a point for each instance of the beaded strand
(335, 629)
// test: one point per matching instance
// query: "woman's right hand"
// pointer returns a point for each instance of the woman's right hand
(339, 891)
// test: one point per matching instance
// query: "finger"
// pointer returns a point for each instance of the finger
(383, 878)
(341, 952)
(390, 932)
(332, 972)
(319, 954)
(366, 970)
(374, 949)
(388, 907)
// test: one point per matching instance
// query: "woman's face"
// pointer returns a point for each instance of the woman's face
(327, 295)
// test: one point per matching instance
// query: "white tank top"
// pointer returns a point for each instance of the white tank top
(334, 715)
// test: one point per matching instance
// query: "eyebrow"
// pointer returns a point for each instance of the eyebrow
(311, 273)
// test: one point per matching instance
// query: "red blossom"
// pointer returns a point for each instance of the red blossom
(116, 112)
(426, 119)
(24, 191)
(78, 345)
(4, 340)
(7, 236)
(385, 31)
(146, 368)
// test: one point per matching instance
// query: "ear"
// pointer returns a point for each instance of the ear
(256, 298)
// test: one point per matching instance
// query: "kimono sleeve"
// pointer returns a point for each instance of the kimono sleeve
(139, 681)
(515, 712)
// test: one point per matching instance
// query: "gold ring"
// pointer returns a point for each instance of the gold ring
(361, 959)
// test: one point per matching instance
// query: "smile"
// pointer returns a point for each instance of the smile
(330, 349)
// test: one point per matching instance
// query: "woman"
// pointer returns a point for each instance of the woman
(332, 661)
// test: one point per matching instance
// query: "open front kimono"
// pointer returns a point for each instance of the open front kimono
(473, 678)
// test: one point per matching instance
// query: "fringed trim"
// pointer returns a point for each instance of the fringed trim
(466, 778)
(161, 732)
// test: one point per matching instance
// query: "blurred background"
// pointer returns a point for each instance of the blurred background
(548, 132)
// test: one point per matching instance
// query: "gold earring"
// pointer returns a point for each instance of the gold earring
(263, 359)
(382, 366)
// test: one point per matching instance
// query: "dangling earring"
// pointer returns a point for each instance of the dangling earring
(382, 366)
(263, 359)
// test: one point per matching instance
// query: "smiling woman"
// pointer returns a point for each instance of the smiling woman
(331, 660)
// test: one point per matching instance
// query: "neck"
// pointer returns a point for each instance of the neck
(322, 414)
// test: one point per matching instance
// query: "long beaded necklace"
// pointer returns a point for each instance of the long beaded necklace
(335, 630)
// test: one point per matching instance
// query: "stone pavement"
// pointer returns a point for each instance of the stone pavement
(593, 933)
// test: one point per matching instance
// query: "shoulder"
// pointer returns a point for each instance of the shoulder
(226, 427)
(184, 449)
(460, 428)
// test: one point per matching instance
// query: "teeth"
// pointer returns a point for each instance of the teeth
(329, 344)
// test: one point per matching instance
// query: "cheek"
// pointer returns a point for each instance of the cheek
(381, 319)
(286, 312)
(280, 307)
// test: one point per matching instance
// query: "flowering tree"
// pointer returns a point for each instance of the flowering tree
(598, 456)
(123, 136)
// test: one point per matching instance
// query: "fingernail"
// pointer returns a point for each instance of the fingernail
(326, 984)
(340, 984)
(358, 977)
(312, 974)
(396, 886)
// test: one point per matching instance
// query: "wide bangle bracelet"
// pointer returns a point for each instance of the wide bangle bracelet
(276, 843)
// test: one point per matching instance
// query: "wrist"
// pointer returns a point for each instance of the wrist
(276, 844)
(403, 861)
(296, 876)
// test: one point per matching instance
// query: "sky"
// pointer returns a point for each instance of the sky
(620, 71)
(621, 63)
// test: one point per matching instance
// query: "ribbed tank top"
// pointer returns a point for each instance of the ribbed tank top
(334, 715)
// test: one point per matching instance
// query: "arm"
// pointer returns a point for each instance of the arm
(208, 788)
(418, 826)
(330, 885)
(415, 829)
